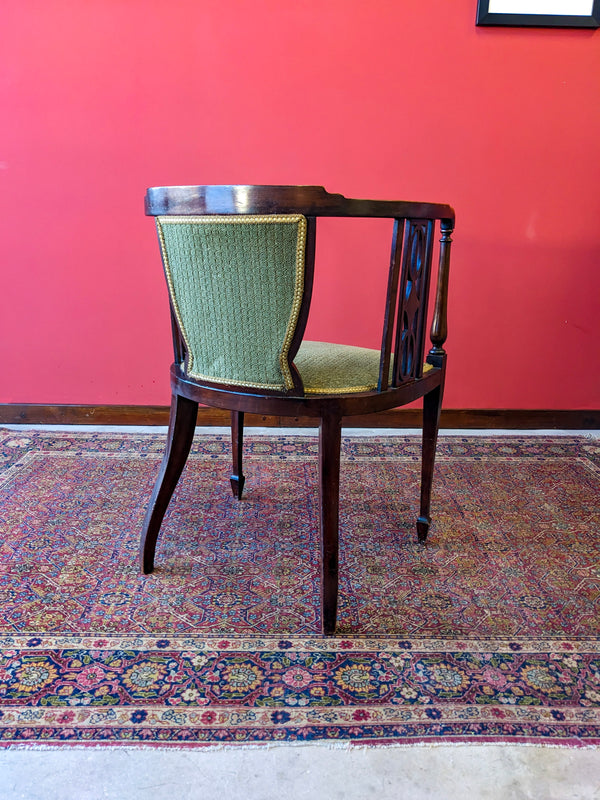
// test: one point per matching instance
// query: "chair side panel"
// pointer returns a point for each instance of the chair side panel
(236, 286)
(413, 297)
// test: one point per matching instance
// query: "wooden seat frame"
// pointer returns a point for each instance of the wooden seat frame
(401, 375)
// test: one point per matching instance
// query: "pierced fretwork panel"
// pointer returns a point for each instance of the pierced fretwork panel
(413, 291)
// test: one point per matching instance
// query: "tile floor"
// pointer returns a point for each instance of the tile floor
(441, 772)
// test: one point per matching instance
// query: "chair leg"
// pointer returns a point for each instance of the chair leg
(432, 405)
(329, 485)
(237, 445)
(182, 424)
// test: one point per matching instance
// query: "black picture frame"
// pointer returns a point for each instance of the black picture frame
(484, 17)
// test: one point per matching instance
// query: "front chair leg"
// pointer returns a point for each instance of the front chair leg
(237, 445)
(329, 485)
(432, 405)
(182, 423)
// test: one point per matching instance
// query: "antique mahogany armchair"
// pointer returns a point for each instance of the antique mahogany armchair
(239, 263)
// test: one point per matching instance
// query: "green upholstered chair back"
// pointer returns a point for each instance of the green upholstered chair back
(236, 286)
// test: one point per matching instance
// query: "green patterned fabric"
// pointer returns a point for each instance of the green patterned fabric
(338, 368)
(236, 284)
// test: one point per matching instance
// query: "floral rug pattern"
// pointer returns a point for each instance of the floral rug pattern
(490, 633)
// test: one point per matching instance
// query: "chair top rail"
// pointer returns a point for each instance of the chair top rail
(306, 200)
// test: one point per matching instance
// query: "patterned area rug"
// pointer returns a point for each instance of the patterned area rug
(490, 633)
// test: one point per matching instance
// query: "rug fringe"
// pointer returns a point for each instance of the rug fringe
(346, 745)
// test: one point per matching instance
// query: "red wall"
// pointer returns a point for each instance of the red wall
(390, 99)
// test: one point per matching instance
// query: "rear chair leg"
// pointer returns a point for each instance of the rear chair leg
(432, 404)
(182, 424)
(237, 445)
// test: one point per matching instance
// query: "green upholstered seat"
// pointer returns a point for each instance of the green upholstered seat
(338, 368)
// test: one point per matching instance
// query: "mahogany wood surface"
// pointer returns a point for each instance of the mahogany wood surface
(237, 444)
(432, 406)
(308, 200)
(179, 441)
(329, 496)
